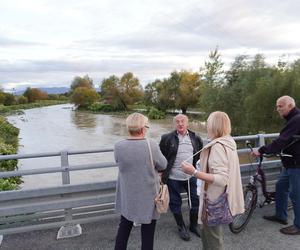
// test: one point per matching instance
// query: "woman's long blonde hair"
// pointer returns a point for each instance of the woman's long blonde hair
(218, 125)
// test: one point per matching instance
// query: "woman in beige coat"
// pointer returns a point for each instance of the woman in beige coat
(219, 168)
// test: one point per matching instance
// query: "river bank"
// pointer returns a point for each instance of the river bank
(17, 109)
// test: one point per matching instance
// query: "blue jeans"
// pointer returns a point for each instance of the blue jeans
(175, 188)
(287, 185)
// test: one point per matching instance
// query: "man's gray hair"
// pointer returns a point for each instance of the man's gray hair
(287, 100)
(180, 116)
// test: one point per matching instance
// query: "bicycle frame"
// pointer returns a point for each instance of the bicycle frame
(240, 221)
(260, 177)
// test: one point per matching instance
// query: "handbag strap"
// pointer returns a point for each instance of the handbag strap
(207, 169)
(152, 163)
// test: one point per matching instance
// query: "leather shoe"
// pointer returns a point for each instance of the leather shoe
(194, 227)
(195, 230)
(290, 230)
(183, 233)
(182, 230)
(274, 218)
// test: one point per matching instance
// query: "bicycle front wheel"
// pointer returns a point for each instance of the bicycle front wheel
(240, 221)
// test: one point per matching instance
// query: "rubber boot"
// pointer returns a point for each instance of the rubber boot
(194, 227)
(182, 230)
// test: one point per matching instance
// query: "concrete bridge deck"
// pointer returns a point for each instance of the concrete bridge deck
(259, 234)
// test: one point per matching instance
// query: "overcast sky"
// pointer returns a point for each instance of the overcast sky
(49, 42)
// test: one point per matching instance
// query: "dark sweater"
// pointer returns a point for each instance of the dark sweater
(291, 128)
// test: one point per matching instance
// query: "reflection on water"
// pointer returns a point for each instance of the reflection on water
(58, 128)
(83, 120)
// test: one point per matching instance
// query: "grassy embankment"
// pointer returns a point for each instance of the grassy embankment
(8, 110)
(9, 143)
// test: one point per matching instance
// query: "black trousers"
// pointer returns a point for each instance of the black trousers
(147, 234)
(175, 188)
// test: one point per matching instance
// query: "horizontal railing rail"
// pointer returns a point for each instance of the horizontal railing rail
(68, 205)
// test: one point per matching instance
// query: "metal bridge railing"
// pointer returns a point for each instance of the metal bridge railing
(69, 205)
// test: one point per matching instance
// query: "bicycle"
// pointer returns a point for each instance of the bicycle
(251, 191)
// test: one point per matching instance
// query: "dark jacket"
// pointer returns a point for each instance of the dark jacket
(169, 147)
(291, 128)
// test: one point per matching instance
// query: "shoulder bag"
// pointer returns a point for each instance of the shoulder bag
(162, 197)
(216, 212)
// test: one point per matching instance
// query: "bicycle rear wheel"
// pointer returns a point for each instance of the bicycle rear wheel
(241, 220)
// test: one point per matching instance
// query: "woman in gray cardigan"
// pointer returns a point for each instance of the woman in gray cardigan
(137, 180)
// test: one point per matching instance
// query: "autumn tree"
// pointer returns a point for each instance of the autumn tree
(121, 92)
(35, 94)
(84, 81)
(84, 97)
(189, 90)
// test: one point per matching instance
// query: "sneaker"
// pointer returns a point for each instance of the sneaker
(274, 218)
(290, 230)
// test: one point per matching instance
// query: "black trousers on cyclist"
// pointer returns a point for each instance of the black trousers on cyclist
(147, 234)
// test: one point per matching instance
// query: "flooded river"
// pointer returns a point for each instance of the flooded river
(57, 128)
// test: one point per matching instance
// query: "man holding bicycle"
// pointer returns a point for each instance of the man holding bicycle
(289, 179)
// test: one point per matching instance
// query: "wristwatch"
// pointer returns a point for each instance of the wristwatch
(195, 172)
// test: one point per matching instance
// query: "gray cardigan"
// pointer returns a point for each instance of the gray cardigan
(136, 180)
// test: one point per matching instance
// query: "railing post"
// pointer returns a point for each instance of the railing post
(1, 238)
(65, 166)
(70, 229)
(261, 140)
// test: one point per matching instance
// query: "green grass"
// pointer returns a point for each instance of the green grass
(8, 110)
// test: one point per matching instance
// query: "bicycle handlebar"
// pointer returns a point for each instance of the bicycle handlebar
(249, 145)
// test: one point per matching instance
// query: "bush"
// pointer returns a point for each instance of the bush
(22, 99)
(8, 133)
(8, 145)
(155, 114)
(7, 184)
(101, 107)
(9, 99)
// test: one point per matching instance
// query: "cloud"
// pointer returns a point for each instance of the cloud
(150, 38)
(50, 72)
(7, 42)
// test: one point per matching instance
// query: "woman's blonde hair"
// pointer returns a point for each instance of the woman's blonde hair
(135, 122)
(218, 125)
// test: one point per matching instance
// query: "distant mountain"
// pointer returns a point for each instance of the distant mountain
(52, 90)
(56, 90)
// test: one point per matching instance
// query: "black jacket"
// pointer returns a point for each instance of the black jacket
(291, 128)
(169, 147)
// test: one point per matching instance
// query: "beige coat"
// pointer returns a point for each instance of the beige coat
(221, 158)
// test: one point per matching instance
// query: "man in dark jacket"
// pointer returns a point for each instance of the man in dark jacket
(289, 179)
(179, 146)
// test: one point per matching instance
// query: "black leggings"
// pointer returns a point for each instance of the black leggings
(147, 233)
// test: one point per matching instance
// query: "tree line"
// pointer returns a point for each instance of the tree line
(30, 95)
(247, 91)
